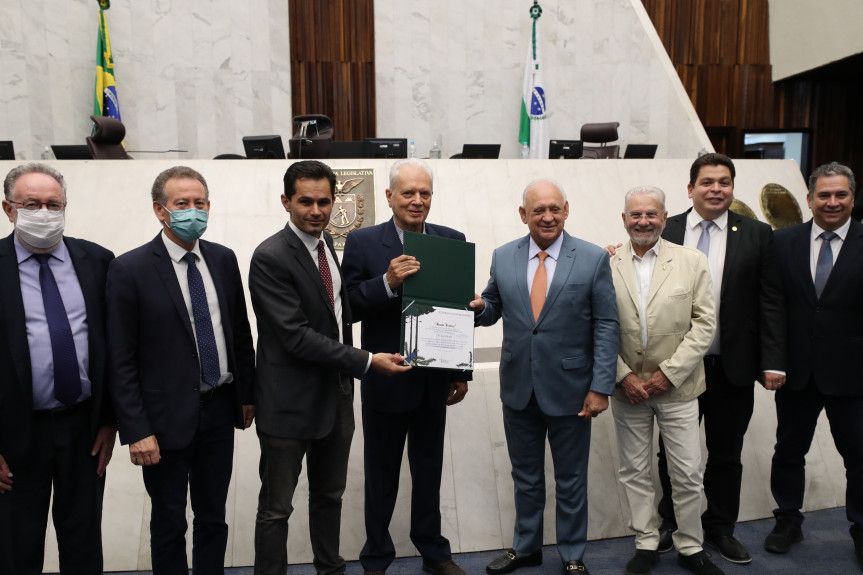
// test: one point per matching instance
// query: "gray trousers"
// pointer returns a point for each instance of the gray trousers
(280, 466)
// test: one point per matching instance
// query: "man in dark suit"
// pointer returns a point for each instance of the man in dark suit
(409, 406)
(557, 368)
(306, 366)
(749, 344)
(181, 371)
(56, 422)
(822, 273)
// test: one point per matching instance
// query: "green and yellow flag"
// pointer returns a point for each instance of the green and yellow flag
(106, 102)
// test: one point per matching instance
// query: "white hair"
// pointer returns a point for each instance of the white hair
(537, 181)
(651, 191)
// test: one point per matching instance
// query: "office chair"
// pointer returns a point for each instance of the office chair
(106, 141)
(313, 138)
(600, 133)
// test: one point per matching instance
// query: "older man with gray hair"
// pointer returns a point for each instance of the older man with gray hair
(555, 296)
(667, 321)
(57, 427)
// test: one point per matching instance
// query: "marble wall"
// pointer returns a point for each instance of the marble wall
(200, 74)
(455, 68)
(196, 75)
(479, 197)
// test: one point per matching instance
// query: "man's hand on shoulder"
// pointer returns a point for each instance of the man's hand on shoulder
(594, 404)
(400, 268)
(103, 447)
(389, 363)
(633, 387)
(657, 384)
(5, 476)
(145, 451)
(457, 391)
(612, 250)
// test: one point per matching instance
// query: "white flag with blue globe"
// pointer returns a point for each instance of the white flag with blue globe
(533, 105)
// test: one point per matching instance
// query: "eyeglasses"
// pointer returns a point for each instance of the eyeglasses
(37, 205)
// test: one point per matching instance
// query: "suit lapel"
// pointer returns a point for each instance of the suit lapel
(165, 270)
(675, 228)
(623, 265)
(850, 248)
(733, 247)
(519, 267)
(13, 308)
(565, 262)
(661, 270)
(800, 259)
(304, 259)
(86, 275)
(217, 273)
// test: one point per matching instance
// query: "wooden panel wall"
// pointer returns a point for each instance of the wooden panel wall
(333, 63)
(721, 51)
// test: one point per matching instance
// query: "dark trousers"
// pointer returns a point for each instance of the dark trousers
(384, 443)
(569, 439)
(797, 414)
(204, 469)
(281, 463)
(726, 410)
(60, 459)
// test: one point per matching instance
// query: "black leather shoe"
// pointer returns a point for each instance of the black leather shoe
(445, 568)
(784, 535)
(510, 561)
(729, 547)
(665, 542)
(698, 563)
(575, 567)
(641, 562)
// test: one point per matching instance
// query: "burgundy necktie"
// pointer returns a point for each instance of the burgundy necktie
(324, 268)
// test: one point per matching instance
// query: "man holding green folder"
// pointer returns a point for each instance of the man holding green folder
(409, 406)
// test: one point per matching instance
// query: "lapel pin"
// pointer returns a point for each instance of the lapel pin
(733, 228)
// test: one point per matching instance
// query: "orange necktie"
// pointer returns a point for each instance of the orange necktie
(537, 290)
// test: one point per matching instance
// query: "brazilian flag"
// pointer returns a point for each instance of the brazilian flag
(106, 102)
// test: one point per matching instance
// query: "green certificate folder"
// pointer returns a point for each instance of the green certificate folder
(437, 323)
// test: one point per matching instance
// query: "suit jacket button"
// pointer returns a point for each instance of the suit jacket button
(196, 389)
(638, 351)
(534, 332)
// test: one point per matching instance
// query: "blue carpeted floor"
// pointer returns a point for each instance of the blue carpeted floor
(827, 550)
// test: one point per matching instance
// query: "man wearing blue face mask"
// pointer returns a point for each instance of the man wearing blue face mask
(181, 366)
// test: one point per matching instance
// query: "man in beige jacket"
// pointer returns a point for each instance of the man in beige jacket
(667, 321)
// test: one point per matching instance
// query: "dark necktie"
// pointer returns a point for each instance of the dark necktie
(824, 265)
(67, 379)
(704, 240)
(324, 268)
(207, 350)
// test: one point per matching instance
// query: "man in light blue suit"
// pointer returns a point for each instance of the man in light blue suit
(557, 368)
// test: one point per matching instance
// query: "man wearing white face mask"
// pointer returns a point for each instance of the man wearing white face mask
(56, 422)
(181, 371)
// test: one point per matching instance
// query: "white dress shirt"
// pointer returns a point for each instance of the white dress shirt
(715, 258)
(643, 268)
(181, 268)
(553, 252)
(835, 244)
